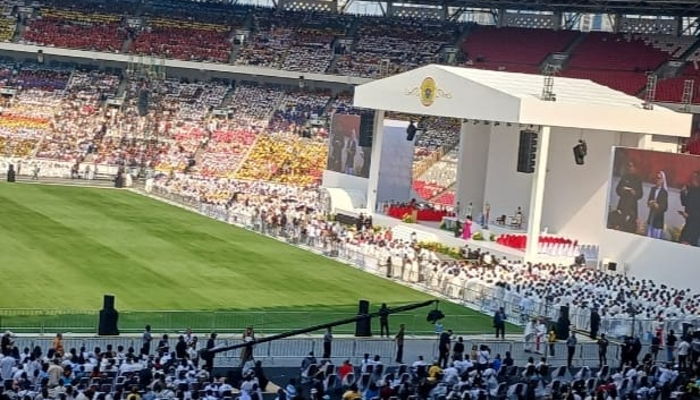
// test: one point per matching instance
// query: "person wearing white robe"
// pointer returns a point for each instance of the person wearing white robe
(529, 335)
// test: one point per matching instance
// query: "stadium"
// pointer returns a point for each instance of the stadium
(323, 199)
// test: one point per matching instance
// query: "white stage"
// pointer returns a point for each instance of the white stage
(560, 197)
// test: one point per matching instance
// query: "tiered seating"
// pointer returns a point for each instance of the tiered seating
(78, 30)
(446, 198)
(615, 61)
(77, 120)
(19, 133)
(231, 139)
(312, 41)
(202, 11)
(406, 43)
(34, 76)
(184, 40)
(27, 118)
(513, 49)
(426, 190)
(174, 129)
(297, 108)
(675, 46)
(287, 159)
(254, 104)
(625, 81)
(443, 173)
(671, 89)
(692, 146)
(342, 104)
(6, 68)
(228, 144)
(7, 29)
(293, 41)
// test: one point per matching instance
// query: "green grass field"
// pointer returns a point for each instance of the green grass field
(62, 248)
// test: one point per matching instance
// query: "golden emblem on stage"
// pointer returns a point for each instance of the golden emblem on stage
(428, 92)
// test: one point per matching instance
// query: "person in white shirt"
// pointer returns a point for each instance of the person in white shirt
(6, 365)
(683, 351)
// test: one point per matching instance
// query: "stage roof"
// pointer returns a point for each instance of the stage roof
(475, 94)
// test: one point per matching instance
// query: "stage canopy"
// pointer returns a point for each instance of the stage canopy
(475, 94)
(509, 102)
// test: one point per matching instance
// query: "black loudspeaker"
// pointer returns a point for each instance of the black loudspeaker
(562, 331)
(363, 327)
(108, 302)
(109, 318)
(580, 152)
(564, 312)
(527, 152)
(366, 129)
(612, 266)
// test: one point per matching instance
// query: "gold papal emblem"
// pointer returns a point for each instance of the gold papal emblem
(428, 91)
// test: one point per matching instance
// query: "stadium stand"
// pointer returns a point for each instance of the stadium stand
(405, 43)
(59, 115)
(78, 30)
(8, 27)
(615, 61)
(513, 49)
(184, 40)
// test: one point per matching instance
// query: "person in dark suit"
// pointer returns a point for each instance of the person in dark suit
(629, 188)
(11, 173)
(499, 322)
(595, 323)
(690, 199)
(209, 359)
(384, 320)
(444, 348)
(658, 204)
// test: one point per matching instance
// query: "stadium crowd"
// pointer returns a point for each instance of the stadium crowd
(337, 43)
(180, 371)
(529, 289)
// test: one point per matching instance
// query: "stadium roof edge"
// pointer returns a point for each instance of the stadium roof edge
(683, 8)
(475, 94)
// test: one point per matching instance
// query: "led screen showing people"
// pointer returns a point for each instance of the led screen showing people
(655, 194)
(345, 154)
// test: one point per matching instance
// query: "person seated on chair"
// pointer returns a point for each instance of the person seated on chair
(517, 220)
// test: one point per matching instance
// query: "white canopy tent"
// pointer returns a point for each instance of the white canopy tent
(490, 98)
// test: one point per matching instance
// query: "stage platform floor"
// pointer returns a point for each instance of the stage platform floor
(425, 229)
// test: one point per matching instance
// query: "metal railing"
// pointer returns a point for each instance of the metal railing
(292, 351)
(47, 321)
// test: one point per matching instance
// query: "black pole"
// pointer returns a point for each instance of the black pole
(210, 352)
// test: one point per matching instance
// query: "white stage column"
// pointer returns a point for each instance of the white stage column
(377, 134)
(472, 164)
(534, 220)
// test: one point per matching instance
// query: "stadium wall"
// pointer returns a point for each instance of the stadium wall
(505, 189)
(575, 196)
(647, 258)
